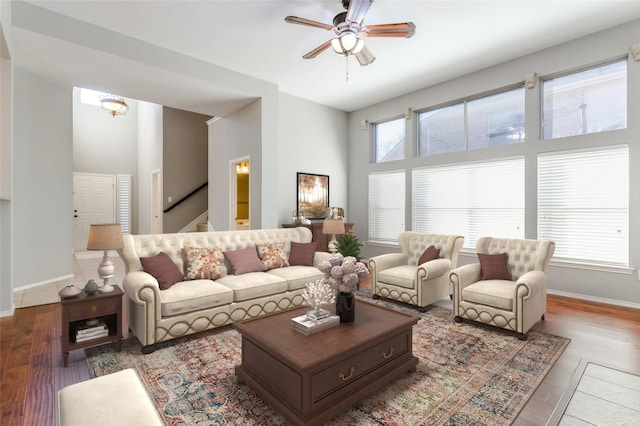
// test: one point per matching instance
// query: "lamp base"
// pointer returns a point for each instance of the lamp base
(106, 288)
(333, 245)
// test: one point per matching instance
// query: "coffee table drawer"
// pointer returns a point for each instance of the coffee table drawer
(350, 370)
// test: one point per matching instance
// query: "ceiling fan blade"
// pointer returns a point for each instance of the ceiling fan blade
(357, 10)
(308, 22)
(318, 50)
(403, 29)
(365, 57)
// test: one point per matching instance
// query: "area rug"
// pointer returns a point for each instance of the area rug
(466, 375)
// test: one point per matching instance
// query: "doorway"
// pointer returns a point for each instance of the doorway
(240, 194)
(94, 202)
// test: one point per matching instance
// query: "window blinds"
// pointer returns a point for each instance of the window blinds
(386, 205)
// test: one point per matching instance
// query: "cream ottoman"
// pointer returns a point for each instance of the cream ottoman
(115, 399)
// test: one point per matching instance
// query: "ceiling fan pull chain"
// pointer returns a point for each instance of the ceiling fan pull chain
(347, 76)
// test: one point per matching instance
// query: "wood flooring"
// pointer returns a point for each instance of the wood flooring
(31, 369)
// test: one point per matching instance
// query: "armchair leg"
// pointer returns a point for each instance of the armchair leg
(522, 336)
(149, 349)
(542, 318)
(457, 319)
(376, 296)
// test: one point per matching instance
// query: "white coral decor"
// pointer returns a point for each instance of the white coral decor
(343, 273)
(317, 294)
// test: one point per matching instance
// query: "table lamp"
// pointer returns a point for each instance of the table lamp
(333, 227)
(105, 237)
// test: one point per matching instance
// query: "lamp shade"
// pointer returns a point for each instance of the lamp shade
(105, 237)
(333, 226)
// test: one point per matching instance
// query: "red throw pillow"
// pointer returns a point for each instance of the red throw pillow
(163, 269)
(244, 260)
(429, 254)
(494, 266)
(302, 254)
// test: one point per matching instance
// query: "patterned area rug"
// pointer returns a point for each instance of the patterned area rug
(466, 375)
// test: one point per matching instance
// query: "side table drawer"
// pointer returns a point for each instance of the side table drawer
(351, 369)
(93, 309)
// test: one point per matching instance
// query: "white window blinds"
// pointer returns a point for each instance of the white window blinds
(124, 202)
(472, 199)
(583, 205)
(386, 205)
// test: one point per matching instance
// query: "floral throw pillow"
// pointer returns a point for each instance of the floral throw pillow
(203, 263)
(272, 255)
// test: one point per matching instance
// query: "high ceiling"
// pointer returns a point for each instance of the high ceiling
(115, 45)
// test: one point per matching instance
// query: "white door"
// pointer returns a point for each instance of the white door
(94, 198)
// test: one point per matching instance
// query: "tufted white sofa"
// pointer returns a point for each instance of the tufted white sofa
(516, 304)
(156, 315)
(398, 276)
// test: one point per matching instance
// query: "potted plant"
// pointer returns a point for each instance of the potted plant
(349, 245)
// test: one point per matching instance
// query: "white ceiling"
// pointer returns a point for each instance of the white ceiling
(196, 38)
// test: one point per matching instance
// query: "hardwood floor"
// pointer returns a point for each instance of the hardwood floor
(31, 369)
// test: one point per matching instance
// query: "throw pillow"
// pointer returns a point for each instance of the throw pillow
(302, 254)
(429, 254)
(494, 266)
(163, 269)
(203, 263)
(272, 255)
(244, 260)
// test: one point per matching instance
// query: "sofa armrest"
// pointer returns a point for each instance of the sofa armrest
(320, 257)
(433, 268)
(530, 284)
(143, 289)
(465, 275)
(387, 261)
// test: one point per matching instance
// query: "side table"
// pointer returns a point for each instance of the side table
(105, 306)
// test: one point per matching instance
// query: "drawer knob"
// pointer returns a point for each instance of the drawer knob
(343, 377)
(386, 355)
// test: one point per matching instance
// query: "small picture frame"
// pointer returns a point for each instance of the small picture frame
(313, 195)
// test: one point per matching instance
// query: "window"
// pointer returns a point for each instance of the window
(472, 199)
(386, 206)
(583, 205)
(589, 101)
(492, 120)
(123, 193)
(496, 120)
(389, 140)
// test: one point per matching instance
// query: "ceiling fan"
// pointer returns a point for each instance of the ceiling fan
(348, 28)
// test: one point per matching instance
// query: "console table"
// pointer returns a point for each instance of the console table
(321, 239)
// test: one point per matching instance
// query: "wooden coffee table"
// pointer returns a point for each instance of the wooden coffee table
(310, 379)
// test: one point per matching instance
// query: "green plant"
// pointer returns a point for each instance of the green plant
(348, 245)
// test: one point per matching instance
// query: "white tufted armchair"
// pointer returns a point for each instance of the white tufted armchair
(515, 304)
(398, 276)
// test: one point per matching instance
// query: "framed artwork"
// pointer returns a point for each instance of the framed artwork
(313, 195)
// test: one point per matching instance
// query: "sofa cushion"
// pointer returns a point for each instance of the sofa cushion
(431, 253)
(203, 263)
(244, 260)
(495, 293)
(402, 276)
(297, 277)
(494, 266)
(302, 253)
(253, 284)
(272, 255)
(162, 268)
(193, 295)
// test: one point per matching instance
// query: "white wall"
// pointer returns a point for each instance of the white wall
(42, 178)
(620, 287)
(312, 139)
(150, 140)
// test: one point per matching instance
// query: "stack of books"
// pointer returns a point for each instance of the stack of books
(86, 332)
(308, 326)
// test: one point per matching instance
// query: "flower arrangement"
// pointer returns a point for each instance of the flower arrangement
(343, 272)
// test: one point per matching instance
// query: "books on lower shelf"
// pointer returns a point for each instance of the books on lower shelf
(86, 332)
(306, 326)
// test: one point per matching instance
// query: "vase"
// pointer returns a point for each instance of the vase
(346, 306)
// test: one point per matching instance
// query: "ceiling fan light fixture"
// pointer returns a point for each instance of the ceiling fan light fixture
(114, 105)
(347, 43)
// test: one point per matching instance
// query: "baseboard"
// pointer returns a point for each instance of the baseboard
(38, 284)
(8, 313)
(615, 302)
